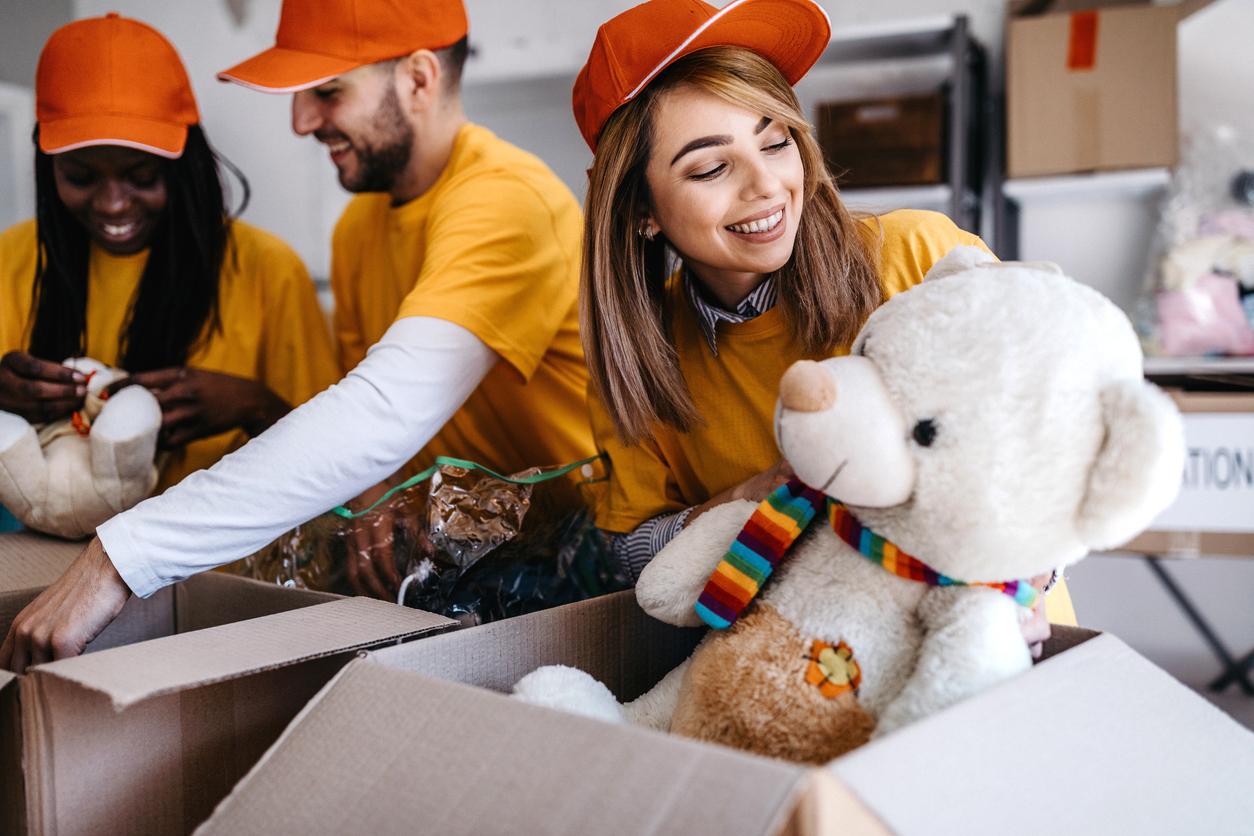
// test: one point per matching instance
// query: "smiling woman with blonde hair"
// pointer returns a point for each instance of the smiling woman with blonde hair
(717, 252)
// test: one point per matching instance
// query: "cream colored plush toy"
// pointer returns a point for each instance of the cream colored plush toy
(990, 425)
(69, 476)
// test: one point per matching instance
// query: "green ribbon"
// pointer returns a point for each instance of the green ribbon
(417, 479)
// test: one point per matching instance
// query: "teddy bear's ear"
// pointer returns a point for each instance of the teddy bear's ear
(1138, 468)
(958, 260)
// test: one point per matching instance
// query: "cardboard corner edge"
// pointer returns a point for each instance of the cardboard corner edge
(426, 624)
(12, 776)
(824, 805)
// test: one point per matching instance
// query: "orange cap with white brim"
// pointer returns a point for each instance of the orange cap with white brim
(112, 81)
(633, 47)
(318, 40)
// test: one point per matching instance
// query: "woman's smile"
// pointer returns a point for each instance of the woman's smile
(727, 187)
(761, 228)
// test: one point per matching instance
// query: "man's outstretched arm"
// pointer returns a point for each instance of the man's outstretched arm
(321, 454)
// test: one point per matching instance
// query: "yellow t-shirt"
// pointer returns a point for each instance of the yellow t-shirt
(272, 328)
(492, 246)
(735, 394)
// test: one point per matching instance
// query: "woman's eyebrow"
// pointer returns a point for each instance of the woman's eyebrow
(720, 139)
(703, 142)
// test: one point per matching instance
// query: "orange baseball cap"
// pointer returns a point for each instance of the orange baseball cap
(112, 81)
(321, 39)
(632, 48)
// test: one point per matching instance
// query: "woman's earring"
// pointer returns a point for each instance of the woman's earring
(648, 232)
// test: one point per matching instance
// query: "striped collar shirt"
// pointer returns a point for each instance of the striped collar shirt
(709, 314)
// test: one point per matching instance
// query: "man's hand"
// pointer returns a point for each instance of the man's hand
(68, 614)
(37, 390)
(197, 404)
(370, 564)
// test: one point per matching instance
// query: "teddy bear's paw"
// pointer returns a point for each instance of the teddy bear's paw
(569, 689)
(13, 428)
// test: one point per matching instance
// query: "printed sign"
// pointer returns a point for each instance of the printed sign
(1217, 489)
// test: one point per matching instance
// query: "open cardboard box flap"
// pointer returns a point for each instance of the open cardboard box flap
(130, 674)
(400, 752)
(1093, 740)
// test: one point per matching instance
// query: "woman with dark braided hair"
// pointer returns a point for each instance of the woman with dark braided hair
(134, 259)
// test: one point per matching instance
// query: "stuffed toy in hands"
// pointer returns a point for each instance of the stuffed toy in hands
(69, 476)
(990, 425)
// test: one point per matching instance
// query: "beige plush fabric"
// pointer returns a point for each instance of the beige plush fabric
(747, 689)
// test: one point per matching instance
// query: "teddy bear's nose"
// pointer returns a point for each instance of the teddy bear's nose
(807, 387)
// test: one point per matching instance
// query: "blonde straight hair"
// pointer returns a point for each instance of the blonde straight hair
(826, 289)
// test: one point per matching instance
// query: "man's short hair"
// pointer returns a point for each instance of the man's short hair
(452, 59)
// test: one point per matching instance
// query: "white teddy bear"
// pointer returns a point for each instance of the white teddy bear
(990, 425)
(69, 476)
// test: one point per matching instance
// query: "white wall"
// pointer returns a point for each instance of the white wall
(1217, 67)
(25, 25)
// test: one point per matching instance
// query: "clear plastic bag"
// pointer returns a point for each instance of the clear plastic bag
(469, 544)
(1201, 291)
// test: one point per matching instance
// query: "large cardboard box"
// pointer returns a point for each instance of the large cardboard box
(1093, 90)
(1214, 513)
(414, 739)
(151, 727)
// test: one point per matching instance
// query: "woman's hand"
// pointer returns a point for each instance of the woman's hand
(754, 489)
(196, 403)
(38, 390)
(1036, 628)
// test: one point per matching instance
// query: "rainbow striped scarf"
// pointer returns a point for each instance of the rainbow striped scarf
(777, 523)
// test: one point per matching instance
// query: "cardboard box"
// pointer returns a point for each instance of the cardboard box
(1214, 514)
(1093, 90)
(894, 141)
(413, 738)
(151, 727)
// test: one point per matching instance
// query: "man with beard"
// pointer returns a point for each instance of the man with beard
(455, 273)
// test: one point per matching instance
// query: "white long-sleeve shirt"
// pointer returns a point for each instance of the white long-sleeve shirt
(325, 452)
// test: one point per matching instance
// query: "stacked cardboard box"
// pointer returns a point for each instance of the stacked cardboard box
(1091, 86)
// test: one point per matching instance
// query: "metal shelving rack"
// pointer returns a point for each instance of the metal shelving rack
(966, 166)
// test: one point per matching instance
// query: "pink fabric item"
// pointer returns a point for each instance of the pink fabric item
(1207, 318)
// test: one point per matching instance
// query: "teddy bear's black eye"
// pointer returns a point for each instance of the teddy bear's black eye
(925, 432)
